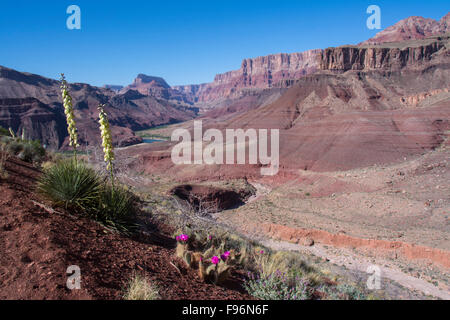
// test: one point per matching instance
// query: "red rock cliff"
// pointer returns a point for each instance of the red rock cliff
(260, 72)
(410, 54)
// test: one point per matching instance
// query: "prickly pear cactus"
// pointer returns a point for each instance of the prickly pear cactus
(187, 257)
(216, 274)
(196, 258)
(222, 273)
(181, 249)
(202, 270)
(208, 254)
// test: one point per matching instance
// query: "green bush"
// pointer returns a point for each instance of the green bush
(27, 154)
(72, 185)
(344, 291)
(116, 208)
(37, 149)
(4, 132)
(15, 147)
(278, 286)
(4, 140)
(26, 150)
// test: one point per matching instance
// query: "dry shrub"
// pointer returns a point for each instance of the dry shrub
(140, 288)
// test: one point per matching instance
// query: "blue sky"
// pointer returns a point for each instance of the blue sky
(184, 42)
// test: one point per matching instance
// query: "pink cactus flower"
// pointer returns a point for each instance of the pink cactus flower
(183, 238)
(225, 256)
(215, 260)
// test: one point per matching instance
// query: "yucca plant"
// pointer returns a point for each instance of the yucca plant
(72, 185)
(116, 209)
(117, 205)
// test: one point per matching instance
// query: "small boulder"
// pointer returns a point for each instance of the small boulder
(307, 242)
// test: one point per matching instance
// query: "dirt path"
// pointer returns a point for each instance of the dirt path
(358, 263)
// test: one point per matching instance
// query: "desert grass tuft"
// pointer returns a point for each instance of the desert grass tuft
(140, 288)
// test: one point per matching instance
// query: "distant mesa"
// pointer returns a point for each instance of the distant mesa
(153, 81)
(148, 85)
(158, 87)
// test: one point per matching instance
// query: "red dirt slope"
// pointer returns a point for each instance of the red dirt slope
(37, 245)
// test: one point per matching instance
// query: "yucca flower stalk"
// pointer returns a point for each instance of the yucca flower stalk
(12, 132)
(108, 148)
(70, 117)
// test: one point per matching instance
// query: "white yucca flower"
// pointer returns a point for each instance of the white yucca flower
(68, 110)
(105, 130)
